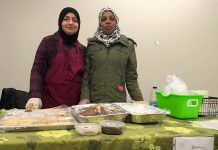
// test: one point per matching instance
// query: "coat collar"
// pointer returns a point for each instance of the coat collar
(123, 40)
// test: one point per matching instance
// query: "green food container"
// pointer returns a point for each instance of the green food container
(182, 106)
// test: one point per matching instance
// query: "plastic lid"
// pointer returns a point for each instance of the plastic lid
(87, 128)
(112, 123)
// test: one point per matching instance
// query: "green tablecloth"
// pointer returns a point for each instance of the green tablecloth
(135, 137)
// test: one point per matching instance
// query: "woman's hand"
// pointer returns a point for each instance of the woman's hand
(35, 102)
(140, 101)
(84, 101)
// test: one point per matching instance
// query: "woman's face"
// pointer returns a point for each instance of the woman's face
(108, 22)
(70, 24)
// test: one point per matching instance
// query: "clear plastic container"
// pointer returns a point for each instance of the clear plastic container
(38, 119)
(87, 128)
(112, 127)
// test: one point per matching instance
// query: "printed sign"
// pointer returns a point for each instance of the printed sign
(193, 143)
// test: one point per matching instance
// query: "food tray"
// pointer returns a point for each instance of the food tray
(94, 113)
(142, 113)
(38, 119)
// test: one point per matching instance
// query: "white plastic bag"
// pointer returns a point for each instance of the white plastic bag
(175, 85)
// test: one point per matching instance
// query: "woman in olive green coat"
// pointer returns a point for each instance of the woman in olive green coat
(110, 64)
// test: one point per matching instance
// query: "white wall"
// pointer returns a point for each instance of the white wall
(186, 29)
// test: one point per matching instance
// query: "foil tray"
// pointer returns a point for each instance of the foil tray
(147, 118)
(142, 113)
(114, 112)
(39, 119)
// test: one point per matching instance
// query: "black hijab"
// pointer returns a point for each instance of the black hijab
(68, 39)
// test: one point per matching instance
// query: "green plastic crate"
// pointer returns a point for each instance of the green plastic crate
(180, 106)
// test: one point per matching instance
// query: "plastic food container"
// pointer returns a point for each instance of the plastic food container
(182, 106)
(87, 128)
(112, 127)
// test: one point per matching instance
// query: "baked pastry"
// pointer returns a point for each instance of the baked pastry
(10, 121)
(97, 110)
(40, 117)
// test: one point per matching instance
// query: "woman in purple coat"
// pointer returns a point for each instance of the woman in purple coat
(59, 65)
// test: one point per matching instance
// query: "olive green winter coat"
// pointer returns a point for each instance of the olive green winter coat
(109, 70)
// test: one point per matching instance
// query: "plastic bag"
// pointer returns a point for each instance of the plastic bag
(175, 85)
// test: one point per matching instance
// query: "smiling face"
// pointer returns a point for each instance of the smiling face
(70, 24)
(108, 22)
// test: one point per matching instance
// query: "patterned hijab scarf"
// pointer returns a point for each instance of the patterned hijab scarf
(107, 39)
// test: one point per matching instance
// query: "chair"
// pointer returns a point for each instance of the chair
(12, 98)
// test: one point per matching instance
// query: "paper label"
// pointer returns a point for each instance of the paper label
(193, 143)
